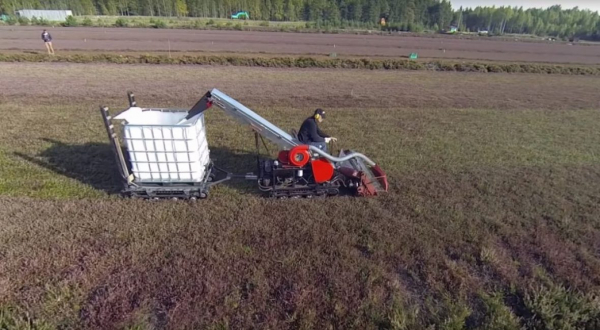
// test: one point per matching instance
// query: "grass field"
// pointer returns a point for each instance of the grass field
(490, 223)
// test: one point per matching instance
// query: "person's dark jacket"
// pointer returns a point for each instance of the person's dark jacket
(310, 132)
(46, 37)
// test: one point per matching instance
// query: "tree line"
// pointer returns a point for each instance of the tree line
(405, 15)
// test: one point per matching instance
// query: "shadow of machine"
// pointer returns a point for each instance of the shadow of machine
(93, 164)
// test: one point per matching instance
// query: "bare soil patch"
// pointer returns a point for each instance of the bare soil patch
(148, 40)
(42, 83)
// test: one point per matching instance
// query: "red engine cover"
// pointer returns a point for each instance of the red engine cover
(299, 156)
(283, 156)
(322, 170)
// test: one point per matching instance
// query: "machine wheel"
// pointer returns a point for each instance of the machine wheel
(211, 177)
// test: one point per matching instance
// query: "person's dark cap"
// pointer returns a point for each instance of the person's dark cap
(320, 112)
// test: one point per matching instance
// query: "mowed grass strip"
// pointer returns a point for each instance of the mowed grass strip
(63, 151)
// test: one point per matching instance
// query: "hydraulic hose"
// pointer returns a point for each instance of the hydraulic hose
(341, 159)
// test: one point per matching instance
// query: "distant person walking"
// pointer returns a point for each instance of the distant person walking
(48, 41)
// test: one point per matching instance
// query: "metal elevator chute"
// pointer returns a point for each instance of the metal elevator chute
(245, 116)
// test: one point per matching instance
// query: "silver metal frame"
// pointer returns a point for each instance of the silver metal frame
(248, 117)
(343, 158)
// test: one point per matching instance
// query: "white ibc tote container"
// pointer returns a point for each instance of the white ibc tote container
(163, 147)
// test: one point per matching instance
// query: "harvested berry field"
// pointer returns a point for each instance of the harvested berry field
(162, 40)
(490, 222)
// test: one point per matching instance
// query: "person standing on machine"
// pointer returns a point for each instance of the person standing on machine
(311, 134)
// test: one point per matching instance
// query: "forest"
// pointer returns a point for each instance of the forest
(405, 15)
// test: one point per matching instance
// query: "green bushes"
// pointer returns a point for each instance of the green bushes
(407, 27)
(87, 22)
(70, 21)
(158, 23)
(163, 23)
(23, 20)
(11, 20)
(120, 22)
(39, 21)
